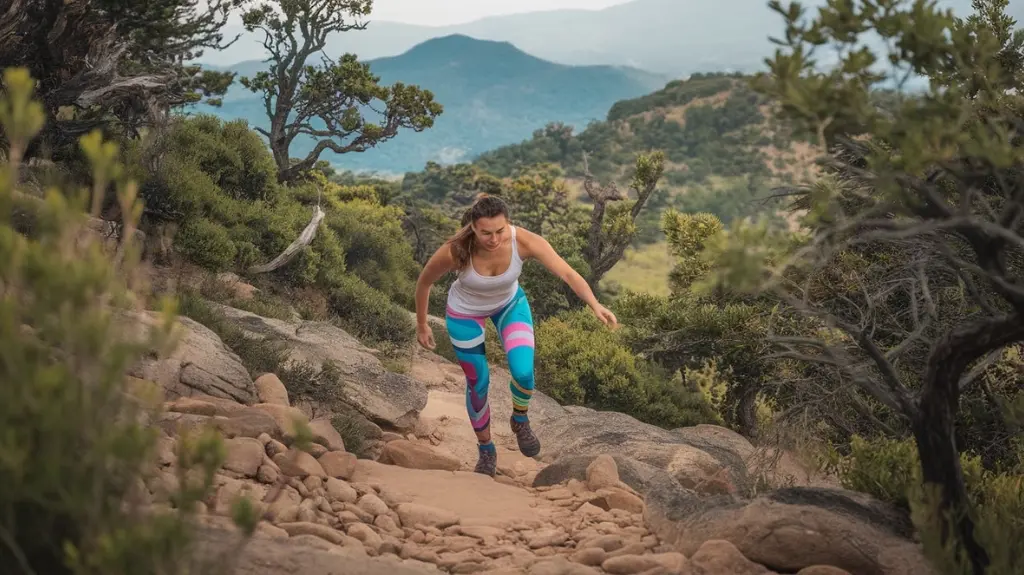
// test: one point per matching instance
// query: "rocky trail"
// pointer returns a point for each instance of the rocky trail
(608, 494)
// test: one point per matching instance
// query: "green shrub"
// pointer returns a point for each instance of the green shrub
(77, 445)
(581, 362)
(352, 428)
(370, 314)
(890, 470)
(375, 249)
(206, 243)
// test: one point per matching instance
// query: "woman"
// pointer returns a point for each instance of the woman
(488, 254)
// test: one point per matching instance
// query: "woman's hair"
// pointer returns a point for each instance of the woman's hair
(462, 242)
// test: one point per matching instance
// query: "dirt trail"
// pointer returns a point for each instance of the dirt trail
(474, 498)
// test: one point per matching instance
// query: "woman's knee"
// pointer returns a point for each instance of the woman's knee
(522, 374)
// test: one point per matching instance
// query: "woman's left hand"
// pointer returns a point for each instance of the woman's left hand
(605, 315)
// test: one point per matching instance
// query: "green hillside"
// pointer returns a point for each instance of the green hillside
(723, 154)
(718, 135)
(710, 127)
(493, 94)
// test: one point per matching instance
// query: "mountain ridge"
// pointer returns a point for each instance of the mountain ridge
(673, 37)
(493, 93)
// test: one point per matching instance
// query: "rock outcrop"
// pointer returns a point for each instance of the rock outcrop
(389, 399)
(789, 529)
(200, 364)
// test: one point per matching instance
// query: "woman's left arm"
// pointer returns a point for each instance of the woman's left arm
(533, 245)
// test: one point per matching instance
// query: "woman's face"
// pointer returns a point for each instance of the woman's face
(491, 232)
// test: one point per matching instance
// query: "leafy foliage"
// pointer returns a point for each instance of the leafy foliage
(215, 185)
(65, 318)
(912, 267)
(112, 64)
(327, 102)
(582, 364)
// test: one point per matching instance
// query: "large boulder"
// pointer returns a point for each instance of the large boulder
(389, 399)
(199, 365)
(702, 460)
(640, 476)
(790, 529)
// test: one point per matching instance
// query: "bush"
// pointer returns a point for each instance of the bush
(889, 470)
(218, 181)
(369, 314)
(77, 446)
(581, 362)
(375, 249)
(207, 244)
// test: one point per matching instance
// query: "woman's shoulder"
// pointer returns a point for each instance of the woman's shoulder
(526, 240)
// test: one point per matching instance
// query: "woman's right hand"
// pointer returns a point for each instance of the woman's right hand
(425, 335)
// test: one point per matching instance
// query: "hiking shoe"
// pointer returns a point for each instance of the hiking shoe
(529, 445)
(487, 464)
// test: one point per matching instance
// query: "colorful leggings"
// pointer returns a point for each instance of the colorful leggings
(515, 328)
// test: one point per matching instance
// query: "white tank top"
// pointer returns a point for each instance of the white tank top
(479, 295)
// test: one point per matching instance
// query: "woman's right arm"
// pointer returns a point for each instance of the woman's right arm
(439, 264)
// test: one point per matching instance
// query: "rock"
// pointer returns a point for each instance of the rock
(602, 472)
(241, 289)
(633, 473)
(286, 418)
(268, 474)
(244, 455)
(338, 464)
(270, 531)
(200, 363)
(822, 570)
(415, 514)
(249, 422)
(632, 564)
(389, 436)
(607, 543)
(275, 557)
(325, 434)
(322, 531)
(547, 538)
(270, 389)
(274, 446)
(404, 453)
(705, 463)
(384, 397)
(372, 505)
(201, 404)
(717, 556)
(366, 535)
(298, 463)
(338, 490)
(560, 566)
(789, 529)
(592, 556)
(615, 498)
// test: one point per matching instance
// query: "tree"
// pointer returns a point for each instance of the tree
(612, 230)
(325, 103)
(117, 64)
(927, 194)
(540, 200)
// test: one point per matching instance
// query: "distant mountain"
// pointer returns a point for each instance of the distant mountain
(493, 94)
(673, 37)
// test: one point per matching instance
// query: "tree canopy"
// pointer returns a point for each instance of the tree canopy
(326, 102)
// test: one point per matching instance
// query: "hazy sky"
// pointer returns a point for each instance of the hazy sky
(443, 12)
